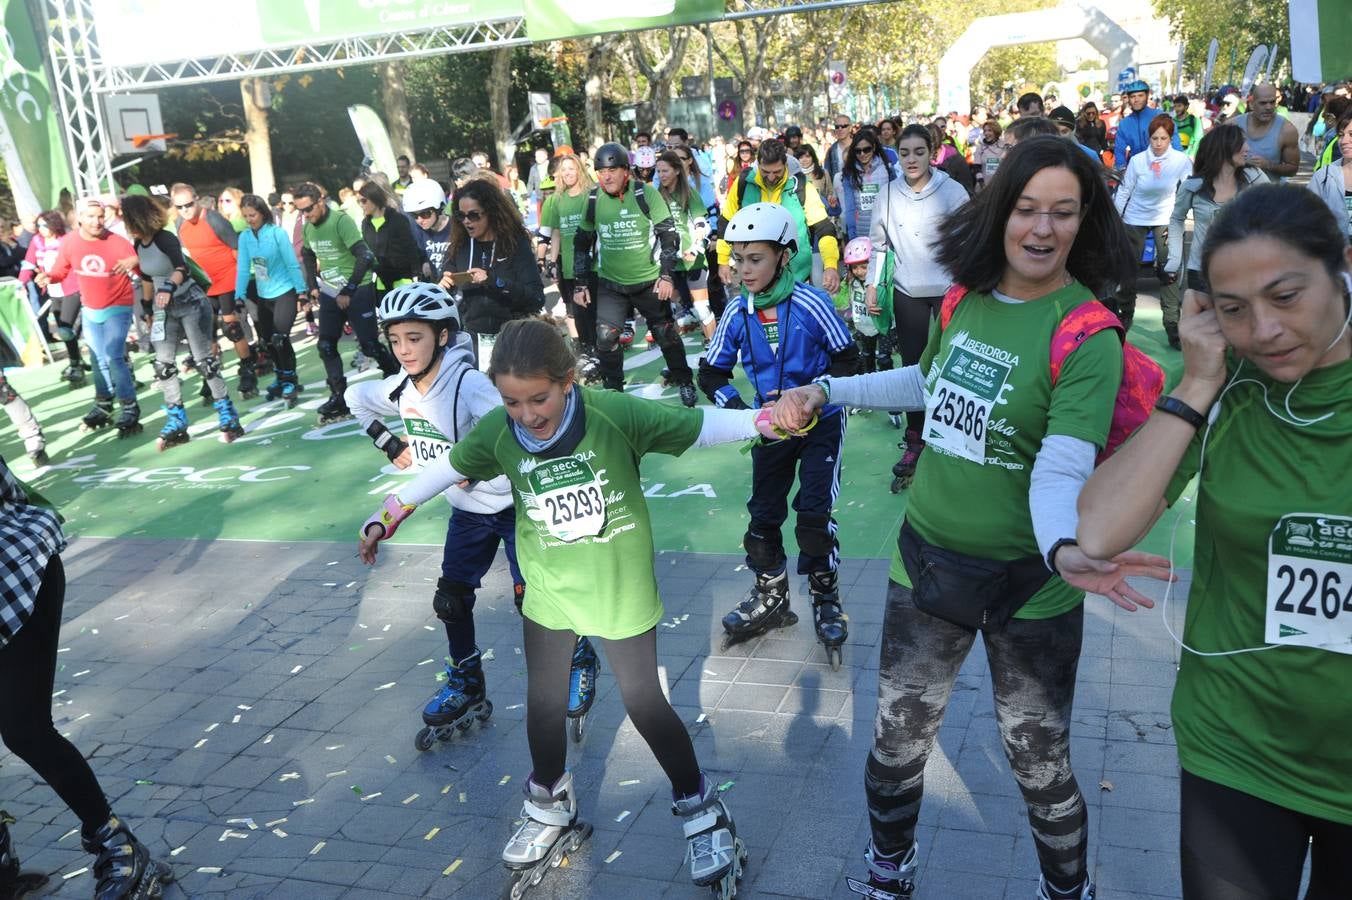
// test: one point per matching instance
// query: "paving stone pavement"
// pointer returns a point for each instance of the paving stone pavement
(251, 707)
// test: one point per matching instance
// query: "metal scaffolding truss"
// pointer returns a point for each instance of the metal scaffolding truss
(321, 55)
(73, 49)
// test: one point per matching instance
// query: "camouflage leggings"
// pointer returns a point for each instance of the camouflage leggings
(1032, 664)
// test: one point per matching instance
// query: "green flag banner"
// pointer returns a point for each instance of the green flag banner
(374, 139)
(18, 327)
(551, 20)
(1321, 40)
(30, 129)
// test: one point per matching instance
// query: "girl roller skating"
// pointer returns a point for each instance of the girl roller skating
(572, 455)
(786, 333)
(440, 395)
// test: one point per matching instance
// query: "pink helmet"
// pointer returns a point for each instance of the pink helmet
(859, 250)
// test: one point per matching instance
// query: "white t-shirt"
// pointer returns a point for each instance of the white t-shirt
(1146, 195)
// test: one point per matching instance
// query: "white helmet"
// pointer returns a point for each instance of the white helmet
(419, 301)
(763, 222)
(424, 194)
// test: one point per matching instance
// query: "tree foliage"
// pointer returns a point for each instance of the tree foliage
(1239, 26)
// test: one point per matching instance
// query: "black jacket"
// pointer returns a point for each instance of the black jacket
(513, 289)
(396, 251)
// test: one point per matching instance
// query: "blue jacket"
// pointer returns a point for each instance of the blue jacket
(273, 248)
(1133, 135)
(813, 342)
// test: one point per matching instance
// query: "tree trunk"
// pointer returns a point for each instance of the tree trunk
(394, 98)
(595, 88)
(499, 81)
(257, 99)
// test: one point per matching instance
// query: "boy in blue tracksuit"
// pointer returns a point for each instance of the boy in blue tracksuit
(785, 334)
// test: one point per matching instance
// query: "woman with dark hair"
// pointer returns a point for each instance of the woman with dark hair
(65, 295)
(1261, 419)
(1037, 244)
(947, 157)
(181, 310)
(490, 261)
(1219, 173)
(889, 130)
(389, 234)
(690, 276)
(1090, 130)
(270, 280)
(1333, 183)
(864, 174)
(1144, 200)
(904, 224)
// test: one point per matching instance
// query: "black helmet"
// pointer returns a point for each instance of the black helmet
(793, 131)
(611, 156)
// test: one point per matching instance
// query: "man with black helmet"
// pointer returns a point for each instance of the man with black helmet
(793, 137)
(622, 222)
(1133, 132)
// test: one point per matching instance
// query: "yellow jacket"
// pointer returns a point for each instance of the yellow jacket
(818, 223)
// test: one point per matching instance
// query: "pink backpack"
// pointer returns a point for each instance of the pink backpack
(1142, 377)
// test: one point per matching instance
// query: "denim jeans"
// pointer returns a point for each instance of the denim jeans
(107, 342)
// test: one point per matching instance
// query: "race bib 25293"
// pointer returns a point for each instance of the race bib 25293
(569, 498)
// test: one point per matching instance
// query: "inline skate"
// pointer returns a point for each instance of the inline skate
(890, 877)
(229, 420)
(716, 854)
(549, 831)
(581, 687)
(904, 471)
(175, 430)
(766, 606)
(129, 419)
(831, 622)
(461, 700)
(14, 882)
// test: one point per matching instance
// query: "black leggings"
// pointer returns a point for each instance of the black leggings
(28, 672)
(275, 318)
(361, 315)
(913, 317)
(584, 317)
(1234, 846)
(1033, 664)
(549, 658)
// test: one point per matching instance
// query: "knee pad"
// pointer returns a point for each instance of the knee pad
(706, 315)
(665, 332)
(7, 393)
(211, 367)
(764, 548)
(65, 333)
(453, 602)
(607, 337)
(328, 349)
(279, 342)
(234, 332)
(815, 534)
(164, 371)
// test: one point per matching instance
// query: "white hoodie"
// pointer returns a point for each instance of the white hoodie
(908, 221)
(434, 421)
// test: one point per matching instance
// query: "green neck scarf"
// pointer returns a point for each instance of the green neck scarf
(777, 293)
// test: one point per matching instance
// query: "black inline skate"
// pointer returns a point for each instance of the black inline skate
(123, 866)
(128, 419)
(100, 415)
(461, 700)
(890, 877)
(335, 408)
(831, 621)
(581, 687)
(14, 882)
(904, 471)
(248, 379)
(766, 606)
(74, 375)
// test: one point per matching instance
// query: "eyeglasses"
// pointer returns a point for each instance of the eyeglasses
(185, 205)
(840, 126)
(472, 215)
(864, 150)
(304, 209)
(426, 213)
(743, 151)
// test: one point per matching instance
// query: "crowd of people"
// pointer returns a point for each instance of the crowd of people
(973, 278)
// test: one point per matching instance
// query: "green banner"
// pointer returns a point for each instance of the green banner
(374, 139)
(18, 327)
(552, 20)
(1321, 40)
(30, 129)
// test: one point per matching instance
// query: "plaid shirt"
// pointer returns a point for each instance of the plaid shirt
(29, 537)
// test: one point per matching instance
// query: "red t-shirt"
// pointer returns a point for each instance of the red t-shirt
(93, 262)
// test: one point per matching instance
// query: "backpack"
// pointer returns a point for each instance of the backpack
(1142, 377)
(639, 198)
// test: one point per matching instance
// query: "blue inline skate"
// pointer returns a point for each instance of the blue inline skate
(229, 420)
(461, 700)
(175, 430)
(581, 687)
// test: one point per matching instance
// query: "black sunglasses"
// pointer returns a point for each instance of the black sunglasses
(185, 205)
(303, 209)
(863, 148)
(473, 215)
(746, 151)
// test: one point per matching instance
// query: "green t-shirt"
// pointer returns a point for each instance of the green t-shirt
(1008, 345)
(562, 212)
(1275, 724)
(583, 539)
(625, 235)
(684, 220)
(330, 242)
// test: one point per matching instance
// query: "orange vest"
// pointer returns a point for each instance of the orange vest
(215, 256)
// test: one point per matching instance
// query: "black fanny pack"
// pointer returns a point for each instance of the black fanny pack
(968, 590)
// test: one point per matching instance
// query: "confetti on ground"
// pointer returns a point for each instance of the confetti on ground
(386, 628)
(518, 651)
(336, 774)
(121, 617)
(68, 834)
(334, 747)
(612, 857)
(515, 706)
(177, 850)
(452, 867)
(431, 834)
(209, 870)
(58, 693)
(349, 584)
(317, 847)
(83, 717)
(390, 759)
(230, 833)
(387, 685)
(78, 674)
(268, 739)
(289, 776)
(334, 563)
(144, 781)
(274, 822)
(426, 661)
(428, 628)
(69, 875)
(488, 654)
(1105, 785)
(199, 744)
(700, 720)
(330, 584)
(296, 669)
(245, 821)
(447, 789)
(371, 796)
(726, 786)
(462, 796)
(629, 781)
(409, 799)
(279, 832)
(303, 802)
(505, 779)
(235, 720)
(622, 816)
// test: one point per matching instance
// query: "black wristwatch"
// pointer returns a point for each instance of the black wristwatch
(1051, 554)
(1176, 407)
